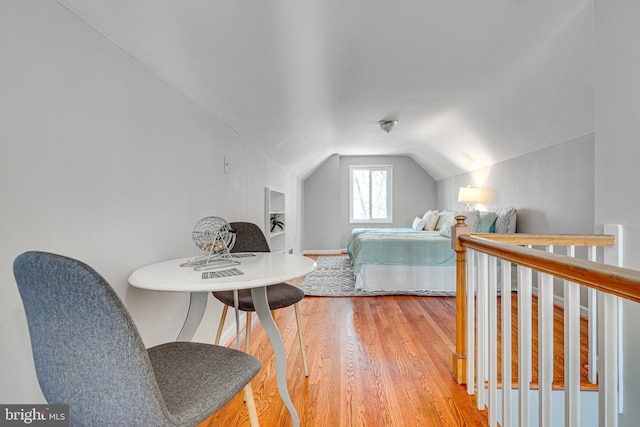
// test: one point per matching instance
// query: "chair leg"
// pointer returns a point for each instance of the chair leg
(304, 353)
(251, 406)
(247, 343)
(221, 325)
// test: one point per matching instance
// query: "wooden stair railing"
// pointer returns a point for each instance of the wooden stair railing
(611, 281)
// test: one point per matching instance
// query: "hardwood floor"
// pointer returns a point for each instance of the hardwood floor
(558, 346)
(373, 361)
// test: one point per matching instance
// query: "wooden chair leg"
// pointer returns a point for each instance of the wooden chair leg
(251, 406)
(221, 325)
(247, 343)
(304, 353)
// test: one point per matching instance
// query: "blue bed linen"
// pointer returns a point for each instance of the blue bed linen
(399, 246)
(357, 231)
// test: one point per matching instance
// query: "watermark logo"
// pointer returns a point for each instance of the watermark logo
(34, 415)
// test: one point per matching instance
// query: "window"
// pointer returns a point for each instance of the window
(370, 194)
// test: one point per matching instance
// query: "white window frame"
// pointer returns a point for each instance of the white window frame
(389, 169)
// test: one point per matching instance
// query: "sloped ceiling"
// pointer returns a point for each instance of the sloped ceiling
(472, 83)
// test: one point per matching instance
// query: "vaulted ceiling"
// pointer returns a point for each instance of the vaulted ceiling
(471, 82)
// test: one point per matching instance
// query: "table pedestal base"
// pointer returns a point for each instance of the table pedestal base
(197, 306)
(264, 314)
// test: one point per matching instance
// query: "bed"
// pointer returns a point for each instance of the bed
(402, 259)
(417, 259)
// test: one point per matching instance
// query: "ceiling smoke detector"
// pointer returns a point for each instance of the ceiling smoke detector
(387, 125)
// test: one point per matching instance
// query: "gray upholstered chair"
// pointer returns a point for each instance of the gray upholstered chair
(88, 354)
(249, 238)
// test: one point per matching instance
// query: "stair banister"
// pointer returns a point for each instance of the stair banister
(611, 282)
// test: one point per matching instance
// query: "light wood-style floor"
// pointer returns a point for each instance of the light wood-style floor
(558, 346)
(373, 361)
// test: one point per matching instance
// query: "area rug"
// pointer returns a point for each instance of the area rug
(333, 277)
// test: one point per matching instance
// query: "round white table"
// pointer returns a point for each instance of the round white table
(258, 271)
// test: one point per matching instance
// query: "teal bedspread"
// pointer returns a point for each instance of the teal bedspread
(399, 246)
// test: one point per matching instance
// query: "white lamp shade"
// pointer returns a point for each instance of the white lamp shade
(469, 195)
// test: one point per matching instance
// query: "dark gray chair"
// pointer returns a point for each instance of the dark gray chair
(88, 354)
(249, 238)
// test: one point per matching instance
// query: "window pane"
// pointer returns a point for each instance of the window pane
(361, 194)
(379, 194)
(370, 194)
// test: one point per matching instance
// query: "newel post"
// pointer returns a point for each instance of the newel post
(460, 355)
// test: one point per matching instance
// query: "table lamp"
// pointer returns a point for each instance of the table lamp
(469, 195)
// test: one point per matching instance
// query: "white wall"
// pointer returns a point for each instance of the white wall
(321, 209)
(326, 223)
(105, 162)
(551, 188)
(414, 191)
(617, 158)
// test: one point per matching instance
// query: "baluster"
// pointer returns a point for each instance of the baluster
(592, 326)
(610, 381)
(471, 316)
(506, 343)
(545, 345)
(524, 346)
(493, 341)
(482, 330)
(608, 361)
(571, 350)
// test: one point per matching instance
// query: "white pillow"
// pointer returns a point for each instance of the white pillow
(506, 221)
(418, 224)
(473, 221)
(430, 220)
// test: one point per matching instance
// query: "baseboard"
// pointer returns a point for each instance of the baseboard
(323, 252)
(559, 301)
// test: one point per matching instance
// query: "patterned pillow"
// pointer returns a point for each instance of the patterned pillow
(506, 221)
(473, 220)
